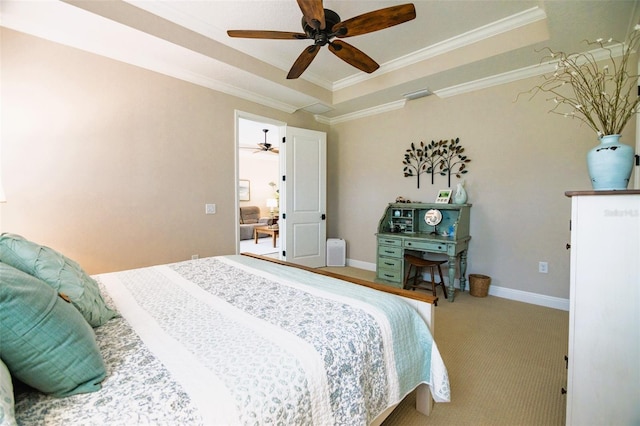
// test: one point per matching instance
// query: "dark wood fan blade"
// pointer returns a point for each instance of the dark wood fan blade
(353, 56)
(313, 13)
(303, 61)
(278, 35)
(375, 20)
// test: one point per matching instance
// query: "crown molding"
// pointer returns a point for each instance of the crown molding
(379, 109)
(167, 11)
(501, 26)
(483, 83)
(599, 54)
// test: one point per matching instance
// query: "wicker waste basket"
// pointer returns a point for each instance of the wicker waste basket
(479, 285)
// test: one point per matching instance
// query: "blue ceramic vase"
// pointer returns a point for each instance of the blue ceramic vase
(610, 164)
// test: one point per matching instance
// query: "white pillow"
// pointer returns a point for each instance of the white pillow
(7, 414)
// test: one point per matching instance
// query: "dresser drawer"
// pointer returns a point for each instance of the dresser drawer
(390, 241)
(390, 251)
(426, 245)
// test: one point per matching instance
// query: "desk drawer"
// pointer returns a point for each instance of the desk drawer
(390, 275)
(390, 263)
(390, 251)
(426, 245)
(390, 241)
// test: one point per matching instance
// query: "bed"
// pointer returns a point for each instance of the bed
(243, 340)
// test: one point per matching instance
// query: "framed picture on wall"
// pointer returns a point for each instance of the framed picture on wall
(244, 190)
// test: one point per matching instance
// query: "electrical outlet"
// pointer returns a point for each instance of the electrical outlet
(543, 267)
(194, 257)
(210, 209)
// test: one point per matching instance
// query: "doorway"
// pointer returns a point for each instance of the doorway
(296, 198)
(258, 166)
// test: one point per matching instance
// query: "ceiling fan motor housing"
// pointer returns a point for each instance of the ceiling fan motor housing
(322, 37)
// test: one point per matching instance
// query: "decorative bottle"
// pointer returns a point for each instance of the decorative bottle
(460, 197)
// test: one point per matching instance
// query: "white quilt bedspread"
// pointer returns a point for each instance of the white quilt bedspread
(233, 340)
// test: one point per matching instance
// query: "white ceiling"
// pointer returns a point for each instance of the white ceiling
(250, 134)
(451, 47)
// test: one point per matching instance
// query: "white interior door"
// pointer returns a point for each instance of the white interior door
(303, 230)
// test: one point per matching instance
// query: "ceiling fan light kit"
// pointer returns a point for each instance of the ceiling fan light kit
(323, 25)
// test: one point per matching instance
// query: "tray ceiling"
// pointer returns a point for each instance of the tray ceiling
(451, 47)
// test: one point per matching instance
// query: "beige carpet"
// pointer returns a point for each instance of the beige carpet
(263, 247)
(505, 361)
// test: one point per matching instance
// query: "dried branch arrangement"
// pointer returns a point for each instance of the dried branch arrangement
(599, 92)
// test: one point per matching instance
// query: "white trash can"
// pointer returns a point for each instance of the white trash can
(336, 252)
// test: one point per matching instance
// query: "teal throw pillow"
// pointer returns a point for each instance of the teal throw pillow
(60, 272)
(45, 342)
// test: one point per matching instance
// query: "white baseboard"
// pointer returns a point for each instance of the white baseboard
(528, 297)
(367, 266)
(504, 292)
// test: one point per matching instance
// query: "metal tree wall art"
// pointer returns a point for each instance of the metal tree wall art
(443, 157)
(452, 160)
(415, 161)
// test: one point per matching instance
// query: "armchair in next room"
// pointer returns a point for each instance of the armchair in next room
(249, 219)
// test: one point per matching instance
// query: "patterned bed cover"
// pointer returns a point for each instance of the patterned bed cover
(235, 340)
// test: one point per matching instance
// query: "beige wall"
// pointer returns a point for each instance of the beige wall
(523, 160)
(259, 169)
(112, 164)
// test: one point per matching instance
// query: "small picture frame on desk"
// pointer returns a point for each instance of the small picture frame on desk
(444, 196)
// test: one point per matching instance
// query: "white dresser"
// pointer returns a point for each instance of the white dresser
(603, 386)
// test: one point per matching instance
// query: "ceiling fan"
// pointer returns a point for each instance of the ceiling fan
(265, 146)
(323, 25)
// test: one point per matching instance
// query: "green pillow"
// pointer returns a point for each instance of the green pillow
(63, 274)
(7, 412)
(46, 343)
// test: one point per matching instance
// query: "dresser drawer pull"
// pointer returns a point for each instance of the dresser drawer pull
(389, 252)
(389, 264)
(387, 275)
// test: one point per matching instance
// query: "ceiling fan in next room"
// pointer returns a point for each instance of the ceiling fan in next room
(263, 147)
(323, 25)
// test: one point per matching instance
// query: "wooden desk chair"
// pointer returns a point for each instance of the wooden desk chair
(419, 263)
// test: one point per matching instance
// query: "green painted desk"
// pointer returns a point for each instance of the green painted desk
(402, 229)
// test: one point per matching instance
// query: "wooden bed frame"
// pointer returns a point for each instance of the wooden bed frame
(421, 302)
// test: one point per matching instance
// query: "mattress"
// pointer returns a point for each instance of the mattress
(236, 340)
